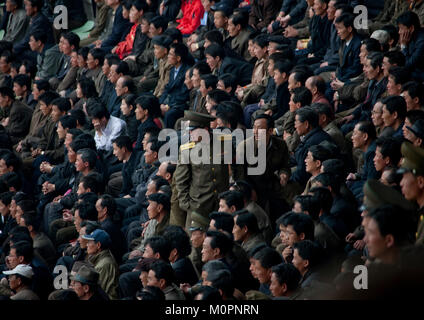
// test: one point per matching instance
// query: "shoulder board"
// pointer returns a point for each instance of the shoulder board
(187, 146)
(226, 137)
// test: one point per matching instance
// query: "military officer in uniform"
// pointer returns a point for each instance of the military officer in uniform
(199, 182)
(412, 182)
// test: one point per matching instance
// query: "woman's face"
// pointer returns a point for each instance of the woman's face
(125, 108)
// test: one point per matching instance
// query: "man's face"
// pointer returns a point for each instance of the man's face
(292, 236)
(172, 57)
(312, 166)
(270, 68)
(376, 243)
(106, 68)
(146, 139)
(81, 240)
(56, 113)
(113, 75)
(272, 48)
(411, 187)
(403, 30)
(78, 288)
(319, 7)
(13, 259)
(250, 48)
(263, 275)
(343, 32)
(33, 44)
(35, 92)
(119, 153)
(135, 15)
(393, 89)
(386, 66)
(4, 65)
(153, 31)
(301, 127)
(99, 124)
(19, 90)
(65, 47)
(91, 62)
(29, 9)
(261, 124)
(411, 103)
(233, 31)
(61, 132)
(119, 88)
(140, 113)
(162, 170)
(13, 282)
(4, 210)
(407, 134)
(4, 168)
(195, 78)
(238, 233)
(219, 20)
(72, 156)
(143, 278)
(376, 113)
(149, 155)
(79, 164)
(388, 118)
(81, 190)
(259, 52)
(275, 287)
(187, 80)
(203, 90)
(10, 6)
(283, 234)
(93, 247)
(223, 207)
(369, 71)
(331, 11)
(212, 62)
(4, 101)
(45, 110)
(197, 238)
(160, 52)
(148, 252)
(292, 82)
(153, 210)
(152, 280)
(299, 262)
(379, 161)
(101, 211)
(207, 251)
(358, 137)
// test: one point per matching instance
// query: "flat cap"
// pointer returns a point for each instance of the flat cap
(413, 159)
(197, 119)
(199, 222)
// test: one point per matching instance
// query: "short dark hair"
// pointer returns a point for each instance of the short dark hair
(7, 92)
(161, 245)
(163, 270)
(261, 40)
(415, 90)
(39, 36)
(98, 111)
(62, 104)
(400, 75)
(308, 114)
(107, 201)
(73, 39)
(210, 80)
(395, 57)
(48, 96)
(215, 37)
(309, 250)
(68, 122)
(221, 241)
(223, 221)
(178, 239)
(302, 95)
(88, 87)
(323, 108)
(396, 104)
(215, 50)
(371, 44)
(23, 80)
(6, 197)
(408, 19)
(88, 155)
(268, 257)
(159, 22)
(218, 95)
(302, 223)
(347, 19)
(368, 128)
(232, 198)
(86, 210)
(202, 67)
(390, 147)
(42, 84)
(376, 59)
(123, 141)
(240, 19)
(286, 273)
(284, 66)
(149, 103)
(93, 180)
(248, 220)
(98, 54)
(268, 118)
(23, 249)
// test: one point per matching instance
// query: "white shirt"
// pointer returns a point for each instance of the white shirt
(114, 128)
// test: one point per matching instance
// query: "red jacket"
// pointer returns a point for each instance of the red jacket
(193, 11)
(124, 48)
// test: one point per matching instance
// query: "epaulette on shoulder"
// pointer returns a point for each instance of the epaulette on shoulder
(187, 146)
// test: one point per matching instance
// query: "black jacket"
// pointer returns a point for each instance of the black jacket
(184, 271)
(149, 123)
(349, 62)
(127, 172)
(319, 29)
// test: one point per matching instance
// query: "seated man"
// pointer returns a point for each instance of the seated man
(285, 280)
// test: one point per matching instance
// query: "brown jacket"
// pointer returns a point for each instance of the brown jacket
(164, 71)
(262, 12)
(19, 115)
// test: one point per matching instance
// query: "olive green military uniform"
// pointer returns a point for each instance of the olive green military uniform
(198, 223)
(413, 161)
(198, 185)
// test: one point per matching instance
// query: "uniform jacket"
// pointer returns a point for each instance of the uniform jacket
(198, 185)
(240, 44)
(105, 264)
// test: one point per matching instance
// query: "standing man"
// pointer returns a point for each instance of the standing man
(198, 185)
